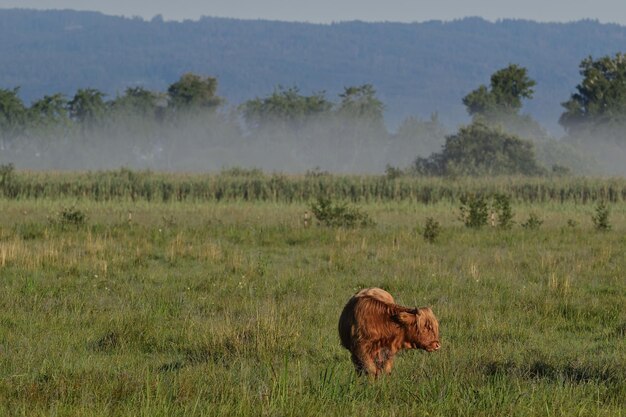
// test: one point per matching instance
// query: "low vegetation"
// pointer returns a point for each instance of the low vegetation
(333, 214)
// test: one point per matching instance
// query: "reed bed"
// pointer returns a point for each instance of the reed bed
(253, 185)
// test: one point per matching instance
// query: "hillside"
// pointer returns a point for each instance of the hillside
(417, 68)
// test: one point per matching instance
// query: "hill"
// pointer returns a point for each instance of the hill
(416, 68)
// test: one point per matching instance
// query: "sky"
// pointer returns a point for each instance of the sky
(327, 11)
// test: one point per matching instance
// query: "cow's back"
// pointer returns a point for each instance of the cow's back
(376, 293)
(353, 323)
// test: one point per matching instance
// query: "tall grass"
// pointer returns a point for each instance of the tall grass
(244, 185)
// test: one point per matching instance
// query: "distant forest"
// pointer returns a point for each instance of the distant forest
(417, 69)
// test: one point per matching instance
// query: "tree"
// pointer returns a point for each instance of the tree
(49, 111)
(504, 96)
(480, 102)
(193, 91)
(416, 137)
(426, 135)
(48, 119)
(601, 96)
(285, 107)
(360, 102)
(501, 102)
(139, 102)
(360, 134)
(479, 149)
(87, 107)
(12, 116)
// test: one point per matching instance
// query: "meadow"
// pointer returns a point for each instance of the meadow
(205, 306)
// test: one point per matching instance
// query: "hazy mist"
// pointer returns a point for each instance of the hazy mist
(215, 142)
(221, 140)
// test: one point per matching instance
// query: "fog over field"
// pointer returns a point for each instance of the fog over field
(195, 143)
(221, 140)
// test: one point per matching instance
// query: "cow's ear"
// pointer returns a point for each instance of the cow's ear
(423, 310)
(405, 317)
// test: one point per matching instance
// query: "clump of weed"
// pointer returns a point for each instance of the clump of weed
(561, 171)
(31, 231)
(69, 217)
(474, 210)
(107, 342)
(333, 214)
(168, 221)
(241, 172)
(503, 211)
(533, 222)
(391, 172)
(431, 230)
(316, 173)
(572, 223)
(601, 217)
(7, 179)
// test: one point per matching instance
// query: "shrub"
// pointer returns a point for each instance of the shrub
(338, 214)
(7, 178)
(31, 230)
(601, 217)
(478, 149)
(69, 216)
(560, 170)
(503, 211)
(474, 211)
(391, 172)
(533, 222)
(431, 230)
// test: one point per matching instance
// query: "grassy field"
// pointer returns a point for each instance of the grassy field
(230, 308)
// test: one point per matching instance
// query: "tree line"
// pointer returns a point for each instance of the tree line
(190, 127)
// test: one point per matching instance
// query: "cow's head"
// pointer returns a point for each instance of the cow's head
(421, 329)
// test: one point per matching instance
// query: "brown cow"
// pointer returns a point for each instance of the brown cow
(373, 328)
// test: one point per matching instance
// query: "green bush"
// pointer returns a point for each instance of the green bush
(477, 150)
(502, 210)
(533, 222)
(601, 217)
(7, 179)
(391, 172)
(431, 230)
(69, 216)
(474, 210)
(338, 214)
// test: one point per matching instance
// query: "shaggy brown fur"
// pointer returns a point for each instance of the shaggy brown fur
(377, 293)
(373, 328)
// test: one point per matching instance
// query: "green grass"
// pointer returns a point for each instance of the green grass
(209, 309)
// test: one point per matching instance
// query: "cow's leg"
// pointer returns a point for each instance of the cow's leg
(364, 362)
(389, 363)
(358, 365)
(381, 356)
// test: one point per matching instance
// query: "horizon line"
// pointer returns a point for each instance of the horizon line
(160, 17)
